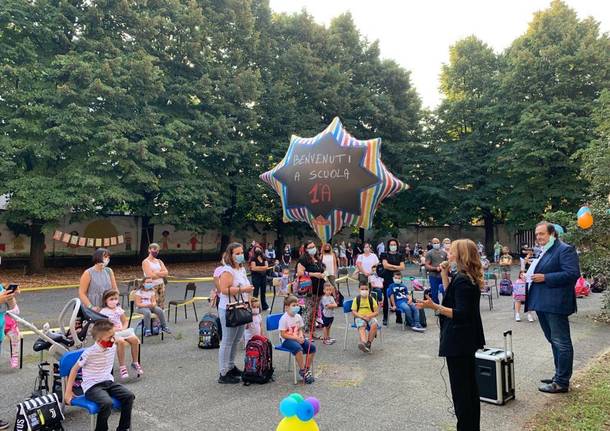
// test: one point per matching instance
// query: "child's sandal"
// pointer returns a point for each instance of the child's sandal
(124, 373)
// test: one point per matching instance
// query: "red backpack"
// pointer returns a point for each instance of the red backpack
(258, 367)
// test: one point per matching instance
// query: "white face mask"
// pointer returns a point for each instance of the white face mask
(397, 280)
(364, 293)
(312, 251)
(436, 246)
(393, 248)
(106, 261)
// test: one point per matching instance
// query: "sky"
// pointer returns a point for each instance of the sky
(418, 34)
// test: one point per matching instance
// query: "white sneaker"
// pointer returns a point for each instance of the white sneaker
(517, 317)
(530, 318)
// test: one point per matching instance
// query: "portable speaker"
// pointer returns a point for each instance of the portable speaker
(495, 372)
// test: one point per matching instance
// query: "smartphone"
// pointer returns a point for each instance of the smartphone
(12, 287)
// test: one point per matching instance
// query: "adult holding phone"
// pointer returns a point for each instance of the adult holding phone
(233, 285)
(461, 329)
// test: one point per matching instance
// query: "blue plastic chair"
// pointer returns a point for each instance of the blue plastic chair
(347, 313)
(273, 324)
(66, 363)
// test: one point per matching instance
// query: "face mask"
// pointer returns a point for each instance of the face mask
(393, 248)
(106, 261)
(397, 280)
(256, 310)
(112, 303)
(550, 243)
(148, 286)
(436, 246)
(106, 344)
(154, 253)
(239, 258)
(294, 309)
(367, 250)
(312, 251)
(364, 293)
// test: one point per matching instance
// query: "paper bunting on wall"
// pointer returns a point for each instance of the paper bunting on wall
(80, 241)
(332, 180)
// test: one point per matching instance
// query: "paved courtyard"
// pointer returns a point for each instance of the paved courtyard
(397, 387)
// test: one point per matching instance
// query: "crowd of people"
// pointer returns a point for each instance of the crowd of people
(307, 281)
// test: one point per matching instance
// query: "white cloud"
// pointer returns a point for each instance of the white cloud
(417, 34)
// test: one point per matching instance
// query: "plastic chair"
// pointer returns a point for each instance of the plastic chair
(66, 362)
(153, 316)
(347, 310)
(272, 324)
(190, 287)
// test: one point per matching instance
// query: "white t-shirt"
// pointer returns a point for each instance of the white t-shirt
(367, 261)
(329, 262)
(145, 296)
(97, 364)
(327, 300)
(240, 278)
(292, 324)
(114, 316)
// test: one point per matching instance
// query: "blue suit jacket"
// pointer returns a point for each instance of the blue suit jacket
(561, 270)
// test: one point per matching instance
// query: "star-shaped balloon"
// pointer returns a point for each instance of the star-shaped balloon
(332, 180)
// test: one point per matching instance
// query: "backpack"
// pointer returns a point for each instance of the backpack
(506, 287)
(417, 285)
(258, 366)
(210, 332)
(40, 414)
(358, 303)
(582, 288)
(599, 284)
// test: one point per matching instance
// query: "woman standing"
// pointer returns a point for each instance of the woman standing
(155, 269)
(310, 265)
(258, 270)
(96, 280)
(365, 263)
(233, 285)
(392, 261)
(331, 263)
(287, 256)
(461, 329)
(342, 254)
(350, 254)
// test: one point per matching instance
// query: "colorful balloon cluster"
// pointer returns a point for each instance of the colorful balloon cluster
(584, 218)
(299, 413)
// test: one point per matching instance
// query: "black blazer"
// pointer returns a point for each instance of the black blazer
(463, 334)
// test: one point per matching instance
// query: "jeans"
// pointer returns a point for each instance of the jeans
(434, 284)
(556, 328)
(411, 312)
(147, 313)
(228, 344)
(306, 348)
(101, 393)
(260, 286)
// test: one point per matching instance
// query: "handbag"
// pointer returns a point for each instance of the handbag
(238, 313)
(302, 285)
(40, 414)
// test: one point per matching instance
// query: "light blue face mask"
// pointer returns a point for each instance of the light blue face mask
(240, 258)
(550, 243)
(148, 286)
(294, 310)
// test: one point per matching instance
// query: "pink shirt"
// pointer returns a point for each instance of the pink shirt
(114, 316)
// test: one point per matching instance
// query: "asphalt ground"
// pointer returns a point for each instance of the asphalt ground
(402, 385)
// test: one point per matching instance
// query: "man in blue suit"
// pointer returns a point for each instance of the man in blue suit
(551, 294)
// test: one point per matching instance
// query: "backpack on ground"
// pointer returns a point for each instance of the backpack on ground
(39, 414)
(210, 332)
(506, 287)
(258, 363)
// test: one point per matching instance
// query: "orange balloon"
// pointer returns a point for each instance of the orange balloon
(585, 221)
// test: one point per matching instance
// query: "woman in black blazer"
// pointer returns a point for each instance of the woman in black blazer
(461, 329)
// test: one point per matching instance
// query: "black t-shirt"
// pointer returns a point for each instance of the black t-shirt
(313, 266)
(259, 261)
(393, 259)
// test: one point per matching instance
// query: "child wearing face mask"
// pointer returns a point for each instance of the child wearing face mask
(293, 339)
(285, 283)
(401, 301)
(98, 384)
(146, 304)
(124, 335)
(365, 311)
(255, 327)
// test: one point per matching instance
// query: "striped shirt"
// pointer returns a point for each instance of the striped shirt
(97, 363)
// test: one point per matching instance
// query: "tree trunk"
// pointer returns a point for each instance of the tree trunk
(36, 264)
(227, 221)
(488, 219)
(146, 237)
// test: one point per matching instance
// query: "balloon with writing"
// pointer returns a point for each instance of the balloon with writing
(332, 180)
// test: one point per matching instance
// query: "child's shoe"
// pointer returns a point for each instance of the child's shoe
(14, 361)
(138, 368)
(306, 376)
(123, 372)
(363, 347)
(517, 317)
(147, 333)
(368, 347)
(166, 330)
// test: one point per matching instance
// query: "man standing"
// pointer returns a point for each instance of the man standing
(551, 294)
(434, 257)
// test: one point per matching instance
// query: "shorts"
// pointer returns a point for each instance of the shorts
(125, 333)
(361, 322)
(294, 347)
(327, 321)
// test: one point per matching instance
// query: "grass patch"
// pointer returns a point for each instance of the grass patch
(585, 408)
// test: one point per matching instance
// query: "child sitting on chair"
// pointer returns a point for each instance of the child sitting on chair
(293, 339)
(401, 301)
(124, 335)
(146, 304)
(328, 305)
(365, 311)
(254, 328)
(98, 384)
